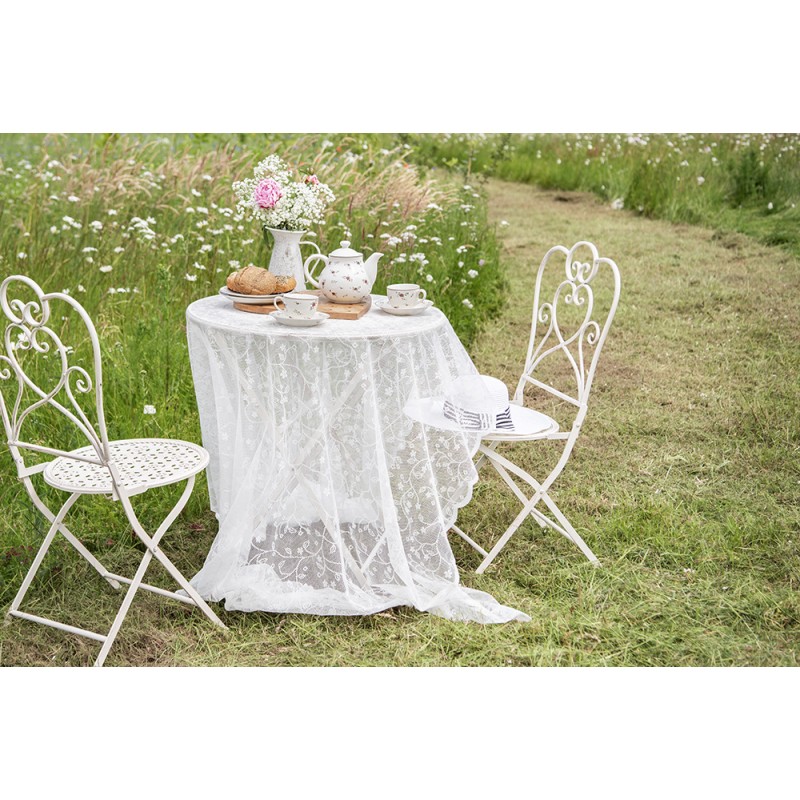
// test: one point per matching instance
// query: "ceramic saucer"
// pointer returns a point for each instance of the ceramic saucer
(410, 311)
(249, 299)
(298, 322)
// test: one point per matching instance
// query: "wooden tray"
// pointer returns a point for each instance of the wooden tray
(334, 310)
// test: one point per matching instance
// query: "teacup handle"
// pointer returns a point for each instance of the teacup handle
(422, 295)
(278, 299)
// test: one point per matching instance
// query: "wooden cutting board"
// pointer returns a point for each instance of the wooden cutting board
(335, 310)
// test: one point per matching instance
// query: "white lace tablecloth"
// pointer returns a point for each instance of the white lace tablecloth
(329, 499)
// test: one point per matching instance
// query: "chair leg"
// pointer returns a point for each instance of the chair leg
(503, 466)
(68, 535)
(153, 551)
(189, 589)
(510, 531)
(479, 463)
(123, 609)
(468, 540)
(152, 544)
(573, 534)
(501, 470)
(37, 561)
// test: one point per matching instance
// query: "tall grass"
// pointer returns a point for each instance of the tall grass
(749, 183)
(136, 228)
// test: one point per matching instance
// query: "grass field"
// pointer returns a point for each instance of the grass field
(685, 481)
(746, 183)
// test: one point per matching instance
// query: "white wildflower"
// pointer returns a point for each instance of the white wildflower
(149, 410)
(106, 268)
(468, 303)
(473, 273)
(190, 278)
(618, 204)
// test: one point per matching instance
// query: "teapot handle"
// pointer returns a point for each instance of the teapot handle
(307, 271)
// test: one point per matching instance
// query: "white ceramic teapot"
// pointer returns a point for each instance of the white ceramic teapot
(346, 277)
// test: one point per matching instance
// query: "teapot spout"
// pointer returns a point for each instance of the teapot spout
(371, 268)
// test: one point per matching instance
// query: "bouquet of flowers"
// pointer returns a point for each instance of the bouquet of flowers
(276, 201)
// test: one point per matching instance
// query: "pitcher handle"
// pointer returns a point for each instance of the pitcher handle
(309, 260)
(313, 244)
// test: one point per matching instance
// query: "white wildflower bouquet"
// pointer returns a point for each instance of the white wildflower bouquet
(276, 201)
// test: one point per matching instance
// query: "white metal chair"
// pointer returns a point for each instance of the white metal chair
(575, 290)
(119, 469)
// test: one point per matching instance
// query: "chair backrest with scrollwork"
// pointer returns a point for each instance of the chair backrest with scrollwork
(30, 339)
(570, 326)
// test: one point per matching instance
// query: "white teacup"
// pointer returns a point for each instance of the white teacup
(405, 295)
(298, 305)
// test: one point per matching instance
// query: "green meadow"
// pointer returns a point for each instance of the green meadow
(685, 481)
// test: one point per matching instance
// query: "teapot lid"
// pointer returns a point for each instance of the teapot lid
(345, 251)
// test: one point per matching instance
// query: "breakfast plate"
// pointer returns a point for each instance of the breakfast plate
(249, 299)
(409, 311)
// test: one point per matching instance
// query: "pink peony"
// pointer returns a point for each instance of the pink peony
(313, 180)
(267, 194)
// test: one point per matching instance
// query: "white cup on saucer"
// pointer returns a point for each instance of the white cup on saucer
(298, 305)
(405, 295)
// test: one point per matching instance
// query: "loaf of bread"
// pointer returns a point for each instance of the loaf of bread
(284, 283)
(257, 280)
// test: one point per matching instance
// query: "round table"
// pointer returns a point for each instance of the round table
(330, 500)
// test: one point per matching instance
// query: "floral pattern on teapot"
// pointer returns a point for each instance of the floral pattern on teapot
(346, 277)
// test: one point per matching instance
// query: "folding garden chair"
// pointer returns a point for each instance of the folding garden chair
(118, 469)
(580, 351)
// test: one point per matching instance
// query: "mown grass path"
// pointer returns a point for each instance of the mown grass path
(686, 480)
(685, 483)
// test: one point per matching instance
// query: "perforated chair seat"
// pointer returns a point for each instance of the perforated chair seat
(142, 464)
